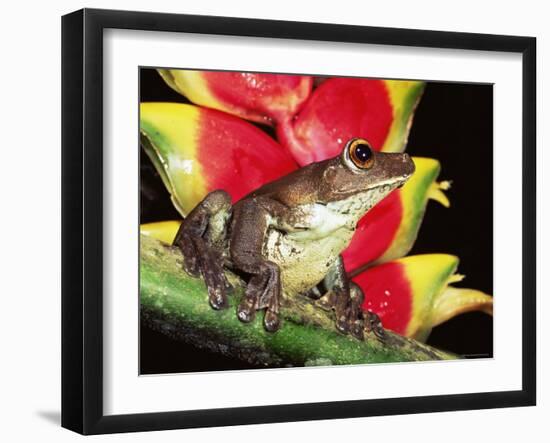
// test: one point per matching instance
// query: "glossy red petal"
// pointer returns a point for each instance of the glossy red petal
(197, 150)
(236, 156)
(388, 293)
(260, 96)
(338, 110)
(389, 230)
(264, 98)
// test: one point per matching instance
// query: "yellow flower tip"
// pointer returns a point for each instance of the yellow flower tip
(445, 185)
(164, 231)
(167, 76)
(435, 263)
(455, 278)
(455, 301)
(435, 192)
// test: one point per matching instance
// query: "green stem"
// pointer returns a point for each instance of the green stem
(176, 304)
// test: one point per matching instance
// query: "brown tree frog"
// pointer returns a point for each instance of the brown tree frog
(286, 237)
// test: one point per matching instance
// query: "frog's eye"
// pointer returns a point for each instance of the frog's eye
(360, 153)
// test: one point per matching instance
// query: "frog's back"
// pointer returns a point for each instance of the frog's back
(298, 187)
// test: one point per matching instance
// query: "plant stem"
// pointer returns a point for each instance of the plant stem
(176, 304)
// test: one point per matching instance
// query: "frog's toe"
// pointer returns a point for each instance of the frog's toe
(214, 278)
(191, 266)
(342, 324)
(246, 311)
(374, 324)
(217, 299)
(355, 313)
(357, 329)
(272, 321)
(341, 310)
(245, 316)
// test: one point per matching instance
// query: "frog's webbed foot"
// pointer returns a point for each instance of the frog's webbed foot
(199, 237)
(355, 317)
(262, 292)
(345, 298)
(374, 324)
(350, 317)
(347, 309)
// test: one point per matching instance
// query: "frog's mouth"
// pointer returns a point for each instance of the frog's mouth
(357, 205)
(380, 192)
(389, 187)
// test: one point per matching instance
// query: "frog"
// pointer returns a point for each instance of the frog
(286, 238)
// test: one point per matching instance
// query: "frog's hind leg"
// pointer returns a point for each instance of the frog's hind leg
(264, 287)
(201, 239)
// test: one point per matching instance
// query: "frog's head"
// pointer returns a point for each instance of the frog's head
(360, 177)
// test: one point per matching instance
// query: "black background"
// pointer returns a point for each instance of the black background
(454, 124)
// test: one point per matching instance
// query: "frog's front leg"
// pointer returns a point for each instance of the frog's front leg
(251, 221)
(347, 298)
(201, 238)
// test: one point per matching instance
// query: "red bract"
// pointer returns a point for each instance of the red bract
(197, 150)
(389, 230)
(276, 97)
(342, 108)
(264, 98)
(375, 233)
(339, 110)
(237, 156)
(411, 295)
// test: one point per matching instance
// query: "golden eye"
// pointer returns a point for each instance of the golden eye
(361, 154)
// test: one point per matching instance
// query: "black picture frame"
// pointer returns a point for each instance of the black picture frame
(82, 219)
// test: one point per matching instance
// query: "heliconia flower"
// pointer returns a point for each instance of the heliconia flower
(411, 295)
(165, 231)
(197, 150)
(264, 98)
(380, 111)
(389, 230)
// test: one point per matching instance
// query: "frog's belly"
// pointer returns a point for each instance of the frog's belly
(304, 264)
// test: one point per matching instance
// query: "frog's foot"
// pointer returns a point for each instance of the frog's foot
(200, 257)
(374, 324)
(262, 292)
(347, 309)
(189, 250)
(213, 275)
(356, 320)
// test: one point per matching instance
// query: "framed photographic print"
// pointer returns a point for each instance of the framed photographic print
(270, 221)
